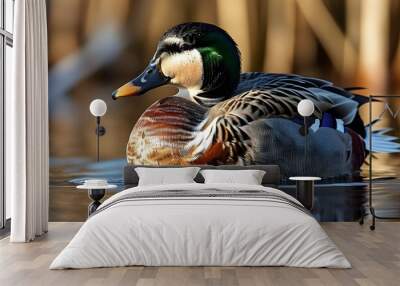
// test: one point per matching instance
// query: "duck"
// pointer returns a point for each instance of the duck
(223, 116)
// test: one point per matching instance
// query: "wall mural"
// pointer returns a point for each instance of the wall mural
(225, 111)
(223, 116)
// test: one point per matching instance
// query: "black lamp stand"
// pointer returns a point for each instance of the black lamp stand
(304, 132)
(305, 143)
(100, 131)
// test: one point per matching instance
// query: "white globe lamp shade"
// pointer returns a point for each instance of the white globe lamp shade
(98, 107)
(305, 107)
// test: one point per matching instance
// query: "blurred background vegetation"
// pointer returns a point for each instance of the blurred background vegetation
(97, 45)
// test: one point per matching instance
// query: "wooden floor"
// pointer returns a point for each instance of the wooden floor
(375, 257)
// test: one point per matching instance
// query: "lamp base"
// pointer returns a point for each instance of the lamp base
(303, 130)
(100, 130)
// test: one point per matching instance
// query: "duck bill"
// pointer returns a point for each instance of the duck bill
(150, 78)
(126, 90)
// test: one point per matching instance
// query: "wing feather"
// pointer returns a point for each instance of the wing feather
(261, 95)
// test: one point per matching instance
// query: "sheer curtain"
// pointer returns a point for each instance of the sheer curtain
(27, 124)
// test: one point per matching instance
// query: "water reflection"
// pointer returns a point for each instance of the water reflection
(74, 171)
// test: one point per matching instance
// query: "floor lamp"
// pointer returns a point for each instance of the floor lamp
(305, 108)
(305, 184)
(98, 108)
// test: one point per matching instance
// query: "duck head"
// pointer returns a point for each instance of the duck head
(201, 59)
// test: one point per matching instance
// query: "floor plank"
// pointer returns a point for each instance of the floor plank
(375, 257)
